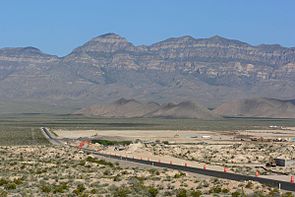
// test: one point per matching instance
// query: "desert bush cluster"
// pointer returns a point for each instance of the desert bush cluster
(47, 170)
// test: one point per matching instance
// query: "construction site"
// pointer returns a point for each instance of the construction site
(242, 152)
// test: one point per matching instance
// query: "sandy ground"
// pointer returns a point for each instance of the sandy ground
(147, 135)
(145, 155)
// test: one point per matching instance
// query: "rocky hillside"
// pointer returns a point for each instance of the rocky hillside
(258, 107)
(209, 71)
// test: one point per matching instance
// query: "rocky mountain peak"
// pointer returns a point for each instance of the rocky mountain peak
(106, 43)
(110, 37)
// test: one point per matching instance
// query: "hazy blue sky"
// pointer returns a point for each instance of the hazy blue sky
(58, 26)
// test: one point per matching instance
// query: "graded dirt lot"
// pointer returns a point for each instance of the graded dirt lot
(179, 136)
(146, 135)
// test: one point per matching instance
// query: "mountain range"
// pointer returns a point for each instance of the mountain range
(258, 107)
(209, 71)
(130, 108)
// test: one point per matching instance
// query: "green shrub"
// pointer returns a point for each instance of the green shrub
(225, 191)
(215, 190)
(287, 194)
(154, 171)
(249, 185)
(45, 188)
(196, 193)
(181, 193)
(3, 182)
(136, 182)
(121, 192)
(82, 163)
(178, 175)
(274, 192)
(93, 191)
(259, 194)
(111, 143)
(10, 186)
(80, 188)
(18, 181)
(60, 188)
(153, 192)
(236, 194)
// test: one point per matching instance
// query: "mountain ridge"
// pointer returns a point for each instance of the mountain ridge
(112, 34)
(208, 71)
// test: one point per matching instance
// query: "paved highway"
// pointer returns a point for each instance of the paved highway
(218, 174)
(48, 136)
